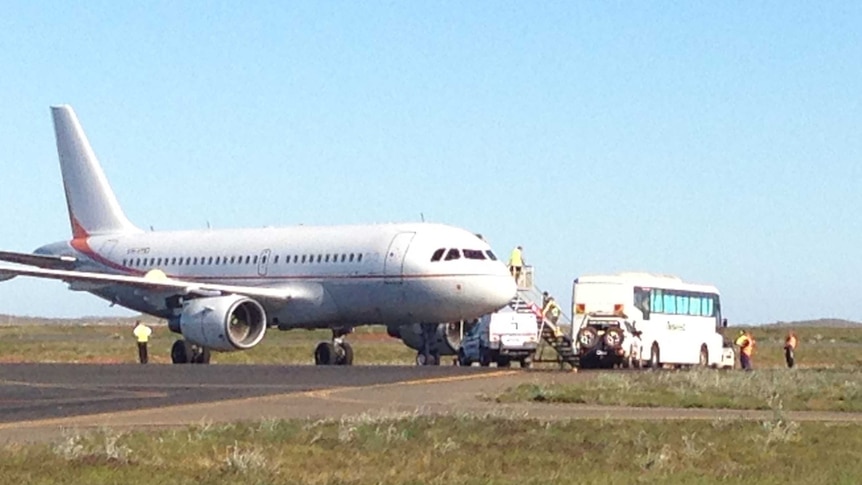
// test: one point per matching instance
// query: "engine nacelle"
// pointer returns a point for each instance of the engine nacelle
(223, 323)
(446, 340)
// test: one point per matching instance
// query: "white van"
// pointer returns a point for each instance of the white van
(501, 337)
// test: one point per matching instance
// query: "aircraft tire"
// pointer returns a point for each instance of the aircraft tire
(201, 355)
(325, 354)
(181, 352)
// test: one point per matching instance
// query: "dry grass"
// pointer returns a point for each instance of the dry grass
(815, 390)
(414, 449)
(115, 344)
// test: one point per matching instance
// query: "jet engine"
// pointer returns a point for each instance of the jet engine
(447, 337)
(225, 323)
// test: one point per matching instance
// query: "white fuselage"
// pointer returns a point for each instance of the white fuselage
(341, 275)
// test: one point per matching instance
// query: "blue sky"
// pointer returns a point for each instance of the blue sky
(717, 141)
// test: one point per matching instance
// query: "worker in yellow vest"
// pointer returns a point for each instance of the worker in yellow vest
(516, 263)
(142, 335)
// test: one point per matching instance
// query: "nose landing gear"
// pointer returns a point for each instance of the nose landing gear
(336, 352)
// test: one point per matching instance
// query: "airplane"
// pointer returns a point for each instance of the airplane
(222, 289)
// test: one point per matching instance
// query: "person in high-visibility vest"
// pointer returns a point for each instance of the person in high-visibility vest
(551, 311)
(745, 342)
(516, 263)
(790, 348)
(142, 334)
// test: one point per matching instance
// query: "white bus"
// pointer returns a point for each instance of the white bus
(679, 322)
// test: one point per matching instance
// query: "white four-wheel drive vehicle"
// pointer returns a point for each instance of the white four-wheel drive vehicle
(501, 337)
(608, 340)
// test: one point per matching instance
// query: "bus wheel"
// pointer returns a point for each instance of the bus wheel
(655, 357)
(703, 359)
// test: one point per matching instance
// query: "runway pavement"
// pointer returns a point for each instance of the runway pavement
(41, 402)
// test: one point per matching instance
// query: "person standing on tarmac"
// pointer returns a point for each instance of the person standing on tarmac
(745, 342)
(790, 348)
(516, 263)
(142, 334)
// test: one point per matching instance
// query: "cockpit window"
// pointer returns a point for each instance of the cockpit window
(453, 254)
(473, 254)
(437, 255)
(491, 255)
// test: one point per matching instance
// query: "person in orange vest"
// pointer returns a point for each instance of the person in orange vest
(789, 348)
(745, 342)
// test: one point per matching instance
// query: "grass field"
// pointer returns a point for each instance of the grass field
(416, 449)
(115, 344)
(797, 390)
(413, 449)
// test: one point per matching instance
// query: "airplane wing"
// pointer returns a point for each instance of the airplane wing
(153, 280)
(39, 260)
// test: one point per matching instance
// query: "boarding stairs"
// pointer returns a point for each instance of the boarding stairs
(529, 300)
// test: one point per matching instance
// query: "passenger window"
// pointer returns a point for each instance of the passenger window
(343, 258)
(359, 258)
(303, 259)
(173, 261)
(275, 260)
(319, 258)
(254, 260)
(453, 254)
(351, 257)
(326, 260)
(210, 260)
(248, 260)
(437, 255)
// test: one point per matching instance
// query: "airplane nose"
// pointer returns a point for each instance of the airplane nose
(500, 290)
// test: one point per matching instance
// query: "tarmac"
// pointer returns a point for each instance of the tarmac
(43, 402)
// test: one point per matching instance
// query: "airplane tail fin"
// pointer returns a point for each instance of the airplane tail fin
(93, 207)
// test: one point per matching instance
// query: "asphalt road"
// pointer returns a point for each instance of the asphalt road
(44, 391)
(43, 402)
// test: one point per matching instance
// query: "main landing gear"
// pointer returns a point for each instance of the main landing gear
(184, 352)
(337, 352)
(428, 354)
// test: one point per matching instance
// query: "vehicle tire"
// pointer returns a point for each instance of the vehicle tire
(588, 338)
(703, 358)
(613, 338)
(503, 362)
(484, 357)
(526, 363)
(655, 357)
(345, 357)
(325, 354)
(181, 352)
(201, 355)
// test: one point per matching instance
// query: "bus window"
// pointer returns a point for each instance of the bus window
(682, 305)
(657, 301)
(669, 304)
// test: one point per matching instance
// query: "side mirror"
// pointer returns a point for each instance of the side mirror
(724, 323)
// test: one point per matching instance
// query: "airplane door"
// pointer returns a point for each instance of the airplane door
(393, 265)
(263, 262)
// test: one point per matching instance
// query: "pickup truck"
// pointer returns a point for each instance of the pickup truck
(502, 337)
